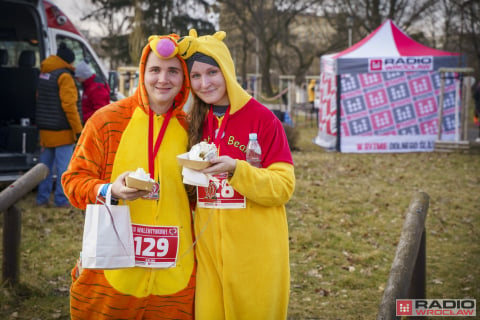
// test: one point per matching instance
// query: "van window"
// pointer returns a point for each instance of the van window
(81, 53)
(15, 48)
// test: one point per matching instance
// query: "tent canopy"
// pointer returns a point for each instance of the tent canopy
(381, 95)
(388, 49)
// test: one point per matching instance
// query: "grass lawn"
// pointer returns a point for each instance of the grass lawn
(345, 220)
(346, 217)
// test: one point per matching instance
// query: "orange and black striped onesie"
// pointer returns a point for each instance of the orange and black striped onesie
(113, 141)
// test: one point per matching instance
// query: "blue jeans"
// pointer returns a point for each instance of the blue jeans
(57, 160)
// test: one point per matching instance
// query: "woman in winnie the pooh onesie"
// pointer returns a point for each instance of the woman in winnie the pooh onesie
(116, 140)
(240, 219)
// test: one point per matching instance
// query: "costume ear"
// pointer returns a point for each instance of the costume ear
(220, 35)
(188, 45)
(174, 36)
(164, 47)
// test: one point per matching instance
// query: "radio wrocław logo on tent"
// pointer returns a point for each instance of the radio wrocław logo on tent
(400, 64)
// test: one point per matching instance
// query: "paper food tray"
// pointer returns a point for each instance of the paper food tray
(192, 164)
(132, 182)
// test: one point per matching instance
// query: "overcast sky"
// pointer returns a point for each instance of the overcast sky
(75, 9)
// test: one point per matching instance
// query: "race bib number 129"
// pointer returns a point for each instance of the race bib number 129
(155, 246)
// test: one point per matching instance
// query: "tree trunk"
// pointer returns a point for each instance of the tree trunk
(136, 38)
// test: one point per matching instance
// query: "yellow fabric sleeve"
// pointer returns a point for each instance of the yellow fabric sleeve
(272, 186)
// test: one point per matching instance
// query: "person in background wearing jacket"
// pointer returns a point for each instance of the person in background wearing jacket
(96, 93)
(311, 93)
(58, 120)
(240, 220)
(311, 99)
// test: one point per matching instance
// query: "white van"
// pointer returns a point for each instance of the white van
(30, 31)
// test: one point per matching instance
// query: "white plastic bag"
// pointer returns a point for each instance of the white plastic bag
(107, 236)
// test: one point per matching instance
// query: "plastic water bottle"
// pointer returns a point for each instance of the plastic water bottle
(254, 152)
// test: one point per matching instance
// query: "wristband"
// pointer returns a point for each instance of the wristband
(103, 189)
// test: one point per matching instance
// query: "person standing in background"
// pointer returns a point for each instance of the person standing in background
(311, 100)
(58, 120)
(311, 93)
(96, 92)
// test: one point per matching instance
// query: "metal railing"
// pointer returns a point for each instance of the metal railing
(13, 217)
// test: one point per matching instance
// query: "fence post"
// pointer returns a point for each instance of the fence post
(12, 219)
(410, 254)
(418, 282)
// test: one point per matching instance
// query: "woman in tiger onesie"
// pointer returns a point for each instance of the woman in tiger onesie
(119, 139)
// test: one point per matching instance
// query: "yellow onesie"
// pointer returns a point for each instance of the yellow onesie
(240, 221)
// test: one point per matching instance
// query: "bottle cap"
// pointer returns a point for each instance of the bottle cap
(252, 136)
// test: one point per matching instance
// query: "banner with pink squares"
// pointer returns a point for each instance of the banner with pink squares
(386, 112)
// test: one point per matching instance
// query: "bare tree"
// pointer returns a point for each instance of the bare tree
(130, 22)
(136, 39)
(472, 19)
(454, 25)
(115, 22)
(309, 36)
(288, 35)
(462, 29)
(264, 27)
(369, 14)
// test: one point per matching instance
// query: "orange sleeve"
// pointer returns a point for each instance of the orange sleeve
(93, 157)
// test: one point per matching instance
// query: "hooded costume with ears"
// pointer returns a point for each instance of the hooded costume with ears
(240, 221)
(115, 140)
(214, 47)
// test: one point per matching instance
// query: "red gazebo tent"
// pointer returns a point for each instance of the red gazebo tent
(381, 95)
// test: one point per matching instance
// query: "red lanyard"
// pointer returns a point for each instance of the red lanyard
(211, 130)
(152, 152)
